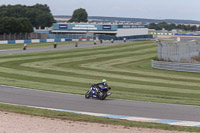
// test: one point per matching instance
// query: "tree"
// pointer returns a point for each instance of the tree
(79, 15)
(171, 26)
(33, 13)
(162, 25)
(15, 25)
(180, 26)
(152, 26)
(25, 27)
(194, 28)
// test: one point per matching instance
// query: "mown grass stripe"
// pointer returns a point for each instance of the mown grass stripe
(125, 66)
(159, 81)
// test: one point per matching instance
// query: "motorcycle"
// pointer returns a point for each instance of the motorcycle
(97, 92)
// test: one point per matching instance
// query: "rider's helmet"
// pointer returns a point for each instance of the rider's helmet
(104, 80)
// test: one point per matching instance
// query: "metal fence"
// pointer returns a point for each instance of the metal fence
(23, 36)
(176, 66)
(178, 51)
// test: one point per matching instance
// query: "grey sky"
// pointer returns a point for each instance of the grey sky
(159, 9)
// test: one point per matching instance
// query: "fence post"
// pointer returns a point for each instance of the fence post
(9, 36)
(167, 52)
(26, 36)
(31, 36)
(4, 36)
(15, 36)
(176, 52)
(20, 36)
(188, 47)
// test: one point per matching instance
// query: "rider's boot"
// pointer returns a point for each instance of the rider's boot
(108, 94)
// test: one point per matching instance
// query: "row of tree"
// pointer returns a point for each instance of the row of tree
(15, 25)
(21, 18)
(171, 26)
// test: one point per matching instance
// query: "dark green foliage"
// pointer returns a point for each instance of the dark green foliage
(171, 26)
(153, 26)
(79, 15)
(15, 25)
(39, 15)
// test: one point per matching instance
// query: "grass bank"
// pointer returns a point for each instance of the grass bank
(92, 119)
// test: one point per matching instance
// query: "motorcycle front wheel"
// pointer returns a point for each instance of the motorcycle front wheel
(87, 95)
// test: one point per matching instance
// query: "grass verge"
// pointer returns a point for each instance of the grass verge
(92, 119)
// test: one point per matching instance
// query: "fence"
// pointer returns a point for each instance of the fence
(175, 66)
(23, 36)
(178, 51)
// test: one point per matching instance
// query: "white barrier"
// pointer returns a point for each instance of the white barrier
(3, 42)
(19, 41)
(50, 40)
(35, 41)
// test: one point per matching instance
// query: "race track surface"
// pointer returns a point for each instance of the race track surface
(43, 49)
(29, 97)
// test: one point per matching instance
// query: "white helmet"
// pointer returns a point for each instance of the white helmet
(104, 80)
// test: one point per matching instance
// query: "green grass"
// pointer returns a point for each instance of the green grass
(36, 45)
(127, 68)
(91, 119)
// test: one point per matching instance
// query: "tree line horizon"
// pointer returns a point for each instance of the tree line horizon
(172, 26)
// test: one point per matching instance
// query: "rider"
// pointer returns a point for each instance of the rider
(102, 84)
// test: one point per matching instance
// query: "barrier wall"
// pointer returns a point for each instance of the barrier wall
(175, 66)
(187, 34)
(42, 40)
(159, 33)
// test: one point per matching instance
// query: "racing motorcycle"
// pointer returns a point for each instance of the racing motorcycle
(98, 92)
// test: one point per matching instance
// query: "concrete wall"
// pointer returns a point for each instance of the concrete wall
(132, 31)
(185, 67)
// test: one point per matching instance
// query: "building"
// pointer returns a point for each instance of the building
(92, 30)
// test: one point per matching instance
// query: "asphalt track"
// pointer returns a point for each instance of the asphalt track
(29, 97)
(43, 49)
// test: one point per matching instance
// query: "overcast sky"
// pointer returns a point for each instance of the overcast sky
(158, 9)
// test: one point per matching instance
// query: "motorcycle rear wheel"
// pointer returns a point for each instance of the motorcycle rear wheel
(103, 95)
